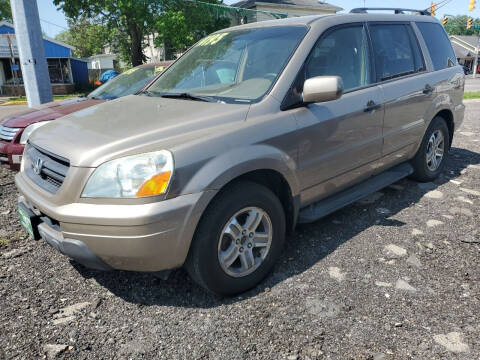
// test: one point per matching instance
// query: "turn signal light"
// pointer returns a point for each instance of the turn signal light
(156, 185)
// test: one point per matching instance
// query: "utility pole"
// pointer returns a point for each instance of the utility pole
(475, 63)
(471, 7)
(33, 63)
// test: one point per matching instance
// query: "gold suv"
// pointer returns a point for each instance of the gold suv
(254, 129)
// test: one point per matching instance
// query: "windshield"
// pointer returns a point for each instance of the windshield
(235, 66)
(127, 83)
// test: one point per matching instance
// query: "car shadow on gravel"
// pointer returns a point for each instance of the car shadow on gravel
(307, 246)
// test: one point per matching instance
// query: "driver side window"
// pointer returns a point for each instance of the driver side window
(342, 52)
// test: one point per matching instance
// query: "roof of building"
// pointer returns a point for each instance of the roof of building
(314, 4)
(464, 45)
(471, 40)
(61, 43)
(461, 52)
(102, 56)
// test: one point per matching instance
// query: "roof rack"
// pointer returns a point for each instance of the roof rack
(364, 10)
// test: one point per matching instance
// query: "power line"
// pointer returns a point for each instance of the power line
(440, 4)
(48, 22)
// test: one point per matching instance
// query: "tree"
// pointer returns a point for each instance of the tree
(88, 37)
(457, 25)
(5, 10)
(183, 23)
(131, 20)
(177, 24)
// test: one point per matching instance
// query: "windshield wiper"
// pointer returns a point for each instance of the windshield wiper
(146, 92)
(188, 96)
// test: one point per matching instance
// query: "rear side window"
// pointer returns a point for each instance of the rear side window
(438, 45)
(396, 50)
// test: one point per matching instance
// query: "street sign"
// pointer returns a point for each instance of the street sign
(15, 67)
(476, 27)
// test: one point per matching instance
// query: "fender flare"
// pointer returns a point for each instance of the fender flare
(220, 170)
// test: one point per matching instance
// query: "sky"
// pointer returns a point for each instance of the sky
(53, 21)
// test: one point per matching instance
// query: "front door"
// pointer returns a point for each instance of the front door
(340, 140)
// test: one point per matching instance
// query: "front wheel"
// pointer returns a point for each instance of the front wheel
(238, 239)
(430, 158)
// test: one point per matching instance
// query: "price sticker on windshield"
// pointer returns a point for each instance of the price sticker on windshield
(129, 71)
(158, 69)
(212, 39)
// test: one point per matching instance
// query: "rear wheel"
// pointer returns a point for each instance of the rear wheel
(238, 239)
(430, 158)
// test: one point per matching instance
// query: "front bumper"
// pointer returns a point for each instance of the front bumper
(72, 248)
(11, 155)
(144, 237)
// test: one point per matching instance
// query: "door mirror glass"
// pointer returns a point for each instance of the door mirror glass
(322, 88)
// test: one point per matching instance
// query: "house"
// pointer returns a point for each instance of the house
(64, 70)
(102, 62)
(466, 48)
(291, 8)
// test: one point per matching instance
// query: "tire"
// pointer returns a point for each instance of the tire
(216, 233)
(424, 171)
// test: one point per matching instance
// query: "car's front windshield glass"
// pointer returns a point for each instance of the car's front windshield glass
(233, 66)
(127, 83)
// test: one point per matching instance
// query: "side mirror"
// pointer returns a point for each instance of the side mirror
(322, 88)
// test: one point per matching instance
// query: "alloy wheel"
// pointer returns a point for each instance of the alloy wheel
(245, 241)
(435, 150)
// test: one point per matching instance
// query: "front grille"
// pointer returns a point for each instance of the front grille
(8, 133)
(47, 170)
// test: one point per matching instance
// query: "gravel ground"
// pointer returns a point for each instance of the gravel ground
(395, 276)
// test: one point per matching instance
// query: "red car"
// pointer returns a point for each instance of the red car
(15, 130)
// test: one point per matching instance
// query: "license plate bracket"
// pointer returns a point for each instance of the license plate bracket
(29, 221)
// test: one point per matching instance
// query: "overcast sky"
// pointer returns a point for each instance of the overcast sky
(49, 13)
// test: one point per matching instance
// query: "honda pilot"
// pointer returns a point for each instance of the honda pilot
(256, 128)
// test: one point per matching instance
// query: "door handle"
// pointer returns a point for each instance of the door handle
(371, 106)
(428, 89)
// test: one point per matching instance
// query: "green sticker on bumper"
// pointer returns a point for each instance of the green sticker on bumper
(25, 220)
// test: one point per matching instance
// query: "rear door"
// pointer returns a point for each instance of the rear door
(407, 87)
(341, 139)
(447, 78)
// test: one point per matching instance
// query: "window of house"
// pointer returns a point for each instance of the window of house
(58, 71)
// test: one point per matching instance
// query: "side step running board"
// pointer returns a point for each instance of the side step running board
(333, 203)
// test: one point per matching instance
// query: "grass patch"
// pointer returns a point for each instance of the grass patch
(4, 242)
(471, 95)
(21, 100)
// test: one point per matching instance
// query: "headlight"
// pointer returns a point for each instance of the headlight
(132, 176)
(28, 131)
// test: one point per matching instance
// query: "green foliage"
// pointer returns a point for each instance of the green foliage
(128, 20)
(176, 23)
(457, 25)
(4, 242)
(88, 37)
(471, 95)
(5, 10)
(183, 23)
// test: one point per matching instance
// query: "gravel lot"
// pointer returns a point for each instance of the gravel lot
(395, 276)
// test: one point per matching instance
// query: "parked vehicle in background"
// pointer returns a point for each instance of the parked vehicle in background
(254, 129)
(16, 129)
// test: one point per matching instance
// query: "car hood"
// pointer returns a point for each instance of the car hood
(48, 111)
(131, 125)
